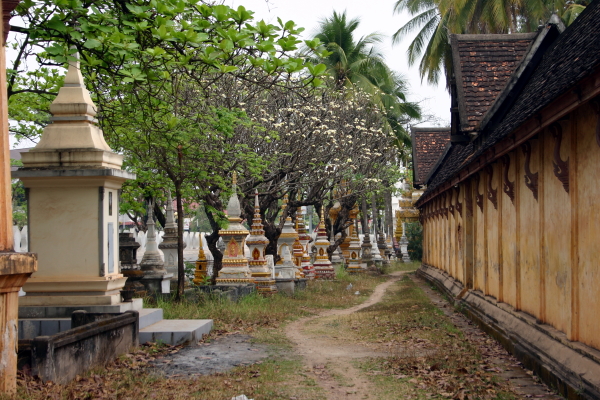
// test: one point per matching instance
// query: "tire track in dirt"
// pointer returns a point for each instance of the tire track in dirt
(329, 359)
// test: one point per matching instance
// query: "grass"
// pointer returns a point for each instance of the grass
(254, 312)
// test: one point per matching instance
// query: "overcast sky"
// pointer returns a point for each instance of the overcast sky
(375, 16)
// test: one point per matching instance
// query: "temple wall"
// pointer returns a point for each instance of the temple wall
(539, 255)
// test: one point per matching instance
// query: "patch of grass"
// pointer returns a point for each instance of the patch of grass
(431, 357)
(255, 312)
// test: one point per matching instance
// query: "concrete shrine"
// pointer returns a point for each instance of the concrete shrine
(169, 241)
(304, 238)
(354, 261)
(156, 278)
(201, 271)
(73, 179)
(322, 265)
(257, 243)
(235, 269)
(288, 235)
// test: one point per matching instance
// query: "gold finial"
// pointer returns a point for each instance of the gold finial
(234, 178)
(285, 202)
(201, 255)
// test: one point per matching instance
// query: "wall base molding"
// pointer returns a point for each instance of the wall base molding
(572, 368)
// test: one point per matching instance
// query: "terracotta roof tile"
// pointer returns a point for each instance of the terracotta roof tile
(428, 145)
(482, 65)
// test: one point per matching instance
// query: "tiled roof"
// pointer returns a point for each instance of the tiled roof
(574, 55)
(482, 66)
(428, 144)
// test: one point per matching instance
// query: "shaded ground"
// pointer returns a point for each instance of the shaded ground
(220, 355)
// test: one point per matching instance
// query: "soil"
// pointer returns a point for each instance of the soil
(328, 359)
(220, 355)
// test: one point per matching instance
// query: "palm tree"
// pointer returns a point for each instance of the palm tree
(435, 19)
(359, 64)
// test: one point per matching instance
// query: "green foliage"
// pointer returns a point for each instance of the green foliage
(414, 234)
(358, 63)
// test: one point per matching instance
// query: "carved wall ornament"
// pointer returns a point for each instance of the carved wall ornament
(458, 203)
(478, 197)
(561, 168)
(531, 179)
(492, 194)
(507, 186)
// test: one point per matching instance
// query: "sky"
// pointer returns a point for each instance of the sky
(375, 16)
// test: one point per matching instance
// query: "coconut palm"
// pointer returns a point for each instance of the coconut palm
(359, 64)
(435, 19)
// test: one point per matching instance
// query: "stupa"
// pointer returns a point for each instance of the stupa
(169, 240)
(201, 272)
(257, 243)
(285, 272)
(235, 270)
(304, 237)
(288, 234)
(354, 252)
(156, 278)
(366, 247)
(322, 265)
(73, 179)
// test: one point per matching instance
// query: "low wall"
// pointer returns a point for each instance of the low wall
(572, 368)
(94, 339)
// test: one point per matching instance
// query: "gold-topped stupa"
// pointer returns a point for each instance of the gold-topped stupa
(235, 269)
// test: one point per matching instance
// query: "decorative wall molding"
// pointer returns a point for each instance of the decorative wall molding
(507, 186)
(561, 168)
(531, 179)
(478, 197)
(492, 194)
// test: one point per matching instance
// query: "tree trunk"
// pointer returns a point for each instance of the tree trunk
(365, 217)
(389, 221)
(374, 206)
(180, 260)
(211, 242)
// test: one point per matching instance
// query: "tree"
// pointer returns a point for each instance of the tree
(359, 63)
(146, 63)
(435, 19)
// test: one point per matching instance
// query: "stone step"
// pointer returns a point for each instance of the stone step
(66, 310)
(176, 331)
(149, 316)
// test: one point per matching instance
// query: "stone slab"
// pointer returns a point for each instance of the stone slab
(149, 316)
(66, 311)
(176, 331)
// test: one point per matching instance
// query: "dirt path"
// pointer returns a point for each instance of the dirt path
(328, 358)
